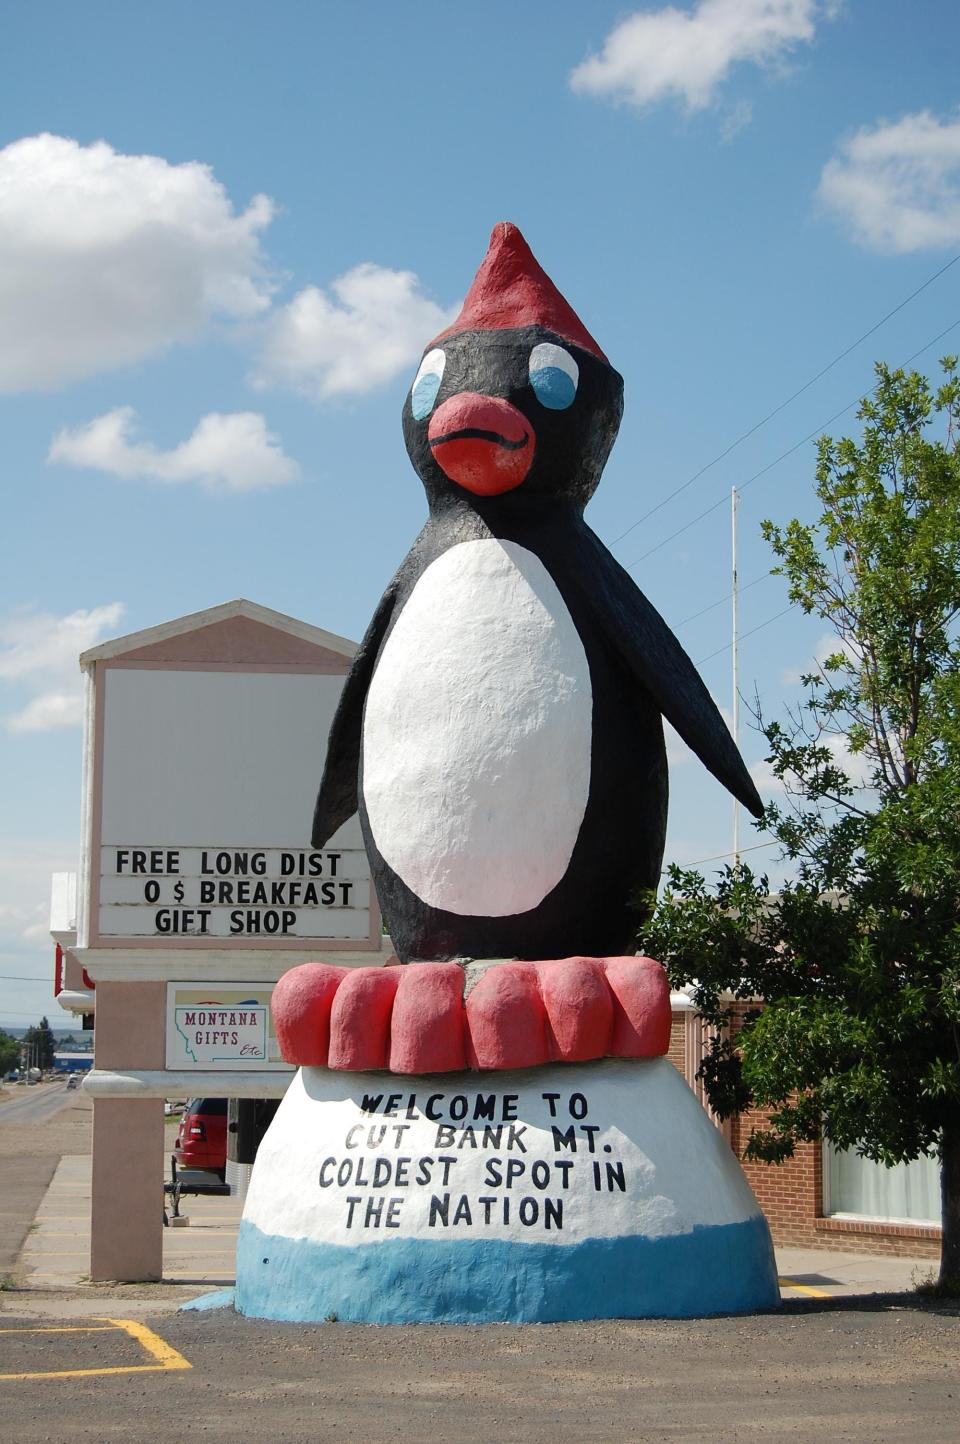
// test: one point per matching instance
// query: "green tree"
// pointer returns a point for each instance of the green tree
(857, 958)
(9, 1053)
(40, 1044)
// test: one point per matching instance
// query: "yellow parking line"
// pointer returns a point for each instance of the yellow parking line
(803, 1289)
(65, 1329)
(164, 1354)
(89, 1373)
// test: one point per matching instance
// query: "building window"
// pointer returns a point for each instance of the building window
(854, 1187)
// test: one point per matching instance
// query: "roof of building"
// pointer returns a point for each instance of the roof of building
(215, 620)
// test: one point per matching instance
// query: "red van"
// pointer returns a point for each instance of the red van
(202, 1137)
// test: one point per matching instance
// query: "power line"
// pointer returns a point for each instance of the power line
(758, 628)
(764, 576)
(22, 978)
(719, 856)
(783, 404)
(817, 431)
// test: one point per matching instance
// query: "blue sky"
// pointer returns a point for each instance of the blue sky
(227, 231)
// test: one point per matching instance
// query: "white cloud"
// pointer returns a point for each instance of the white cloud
(737, 118)
(658, 55)
(32, 923)
(25, 944)
(107, 258)
(48, 712)
(897, 185)
(829, 645)
(232, 452)
(24, 928)
(39, 652)
(678, 753)
(857, 765)
(20, 920)
(371, 325)
(764, 779)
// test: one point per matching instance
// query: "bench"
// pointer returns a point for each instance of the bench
(190, 1180)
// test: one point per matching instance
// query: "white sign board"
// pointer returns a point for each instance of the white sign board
(233, 892)
(208, 785)
(222, 1026)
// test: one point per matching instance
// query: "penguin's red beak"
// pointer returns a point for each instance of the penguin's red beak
(483, 443)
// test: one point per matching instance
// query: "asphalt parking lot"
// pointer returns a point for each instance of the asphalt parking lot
(855, 1369)
(849, 1355)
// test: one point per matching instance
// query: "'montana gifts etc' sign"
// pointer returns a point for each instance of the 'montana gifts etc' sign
(206, 800)
(223, 1025)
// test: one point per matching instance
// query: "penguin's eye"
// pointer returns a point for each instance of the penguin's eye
(426, 384)
(553, 375)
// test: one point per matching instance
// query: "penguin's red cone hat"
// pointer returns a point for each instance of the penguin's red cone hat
(511, 290)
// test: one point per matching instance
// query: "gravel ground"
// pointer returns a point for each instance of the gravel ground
(864, 1370)
(68, 1131)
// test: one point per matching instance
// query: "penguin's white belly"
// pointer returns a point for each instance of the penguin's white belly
(476, 734)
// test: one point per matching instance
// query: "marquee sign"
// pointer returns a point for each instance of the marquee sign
(208, 747)
(233, 892)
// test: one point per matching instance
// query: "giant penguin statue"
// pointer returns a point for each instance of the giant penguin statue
(492, 1132)
(501, 726)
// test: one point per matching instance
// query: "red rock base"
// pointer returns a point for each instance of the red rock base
(421, 1018)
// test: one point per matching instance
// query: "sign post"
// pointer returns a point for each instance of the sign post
(205, 739)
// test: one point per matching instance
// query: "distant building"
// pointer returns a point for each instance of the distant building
(72, 1062)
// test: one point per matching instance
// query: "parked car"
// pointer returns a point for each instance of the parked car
(202, 1135)
(73, 1081)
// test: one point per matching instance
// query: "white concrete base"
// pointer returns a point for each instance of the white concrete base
(580, 1191)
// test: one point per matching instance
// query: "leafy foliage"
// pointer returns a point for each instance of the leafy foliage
(41, 1045)
(9, 1053)
(857, 959)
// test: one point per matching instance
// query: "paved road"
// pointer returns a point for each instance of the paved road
(36, 1126)
(873, 1370)
(36, 1104)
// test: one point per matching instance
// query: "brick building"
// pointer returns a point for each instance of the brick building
(821, 1198)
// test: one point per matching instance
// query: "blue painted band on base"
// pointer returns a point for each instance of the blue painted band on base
(713, 1270)
(219, 1299)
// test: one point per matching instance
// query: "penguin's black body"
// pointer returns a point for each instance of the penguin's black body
(605, 844)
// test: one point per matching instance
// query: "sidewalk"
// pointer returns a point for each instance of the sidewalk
(56, 1253)
(201, 1256)
(822, 1272)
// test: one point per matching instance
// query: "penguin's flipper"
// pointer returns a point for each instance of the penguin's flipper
(653, 655)
(337, 797)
